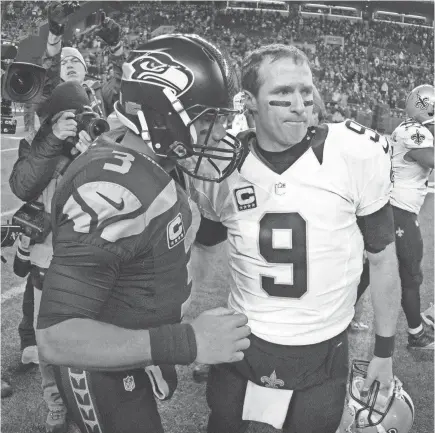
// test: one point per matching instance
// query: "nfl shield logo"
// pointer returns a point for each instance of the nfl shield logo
(129, 384)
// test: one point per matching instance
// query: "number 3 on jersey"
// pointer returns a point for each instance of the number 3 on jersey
(283, 240)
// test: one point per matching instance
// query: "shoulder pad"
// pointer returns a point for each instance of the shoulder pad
(356, 140)
(413, 135)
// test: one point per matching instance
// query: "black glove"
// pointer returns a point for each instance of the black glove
(109, 30)
(58, 15)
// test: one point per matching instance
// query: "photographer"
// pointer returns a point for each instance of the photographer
(67, 63)
(35, 177)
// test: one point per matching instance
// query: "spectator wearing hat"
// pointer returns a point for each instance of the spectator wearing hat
(68, 64)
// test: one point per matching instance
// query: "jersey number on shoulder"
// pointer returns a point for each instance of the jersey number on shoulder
(361, 130)
(283, 240)
(126, 160)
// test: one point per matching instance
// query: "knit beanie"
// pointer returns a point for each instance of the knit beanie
(72, 52)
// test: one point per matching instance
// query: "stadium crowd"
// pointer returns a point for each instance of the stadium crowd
(352, 71)
(379, 61)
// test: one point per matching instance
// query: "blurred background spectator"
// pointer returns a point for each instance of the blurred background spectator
(378, 62)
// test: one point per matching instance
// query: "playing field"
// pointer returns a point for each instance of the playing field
(25, 412)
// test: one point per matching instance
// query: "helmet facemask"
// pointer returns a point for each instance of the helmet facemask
(372, 410)
(173, 135)
(383, 410)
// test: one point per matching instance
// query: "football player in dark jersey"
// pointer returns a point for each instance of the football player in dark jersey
(119, 282)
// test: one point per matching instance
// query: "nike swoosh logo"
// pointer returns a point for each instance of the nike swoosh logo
(117, 206)
(386, 148)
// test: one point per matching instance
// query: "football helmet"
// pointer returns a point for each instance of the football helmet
(171, 82)
(389, 411)
(420, 104)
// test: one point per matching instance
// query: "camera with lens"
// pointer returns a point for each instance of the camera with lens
(30, 224)
(89, 121)
(33, 220)
(20, 82)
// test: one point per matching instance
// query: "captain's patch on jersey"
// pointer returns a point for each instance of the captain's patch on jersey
(245, 198)
(175, 231)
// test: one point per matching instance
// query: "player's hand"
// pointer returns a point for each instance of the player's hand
(65, 126)
(221, 336)
(109, 30)
(84, 141)
(380, 369)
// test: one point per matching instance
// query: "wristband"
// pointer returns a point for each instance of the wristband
(384, 346)
(173, 344)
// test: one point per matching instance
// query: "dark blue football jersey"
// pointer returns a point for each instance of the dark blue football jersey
(121, 235)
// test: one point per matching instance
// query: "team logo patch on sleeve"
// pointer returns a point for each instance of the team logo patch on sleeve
(175, 231)
(245, 198)
(418, 138)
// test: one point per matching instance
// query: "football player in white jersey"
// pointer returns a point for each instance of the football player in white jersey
(290, 211)
(413, 161)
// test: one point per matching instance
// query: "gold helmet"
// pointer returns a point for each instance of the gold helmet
(420, 104)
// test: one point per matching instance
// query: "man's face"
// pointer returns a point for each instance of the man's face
(71, 68)
(202, 127)
(287, 83)
(208, 167)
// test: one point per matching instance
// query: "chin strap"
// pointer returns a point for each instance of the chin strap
(179, 108)
(144, 133)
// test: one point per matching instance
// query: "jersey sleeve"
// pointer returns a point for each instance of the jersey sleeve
(367, 155)
(413, 135)
(374, 178)
(100, 215)
(78, 282)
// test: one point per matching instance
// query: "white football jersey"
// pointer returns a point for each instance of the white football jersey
(410, 178)
(295, 250)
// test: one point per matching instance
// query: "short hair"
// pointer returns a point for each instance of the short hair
(273, 52)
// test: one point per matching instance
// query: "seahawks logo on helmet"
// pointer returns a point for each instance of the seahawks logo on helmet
(160, 69)
(418, 138)
(422, 103)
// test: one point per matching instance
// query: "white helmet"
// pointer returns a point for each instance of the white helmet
(389, 411)
(420, 104)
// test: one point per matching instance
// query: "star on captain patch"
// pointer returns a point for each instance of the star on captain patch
(272, 381)
(399, 232)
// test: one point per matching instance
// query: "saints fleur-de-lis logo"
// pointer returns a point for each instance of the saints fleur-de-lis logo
(422, 103)
(418, 138)
(272, 381)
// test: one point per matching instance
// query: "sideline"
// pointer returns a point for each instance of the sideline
(13, 292)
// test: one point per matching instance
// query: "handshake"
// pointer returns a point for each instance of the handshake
(58, 11)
